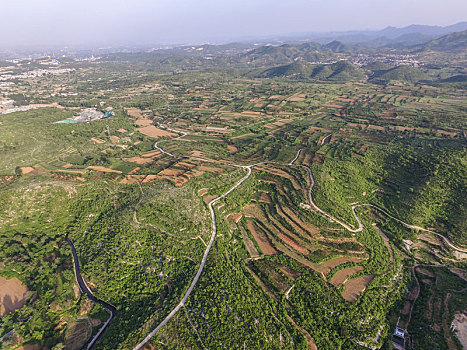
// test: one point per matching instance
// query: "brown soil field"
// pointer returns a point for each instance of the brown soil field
(341, 260)
(355, 287)
(150, 178)
(71, 171)
(135, 170)
(235, 217)
(122, 131)
(342, 275)
(96, 140)
(317, 128)
(333, 105)
(28, 170)
(297, 97)
(150, 154)
(404, 128)
(253, 211)
(12, 295)
(298, 241)
(139, 160)
(429, 238)
(296, 227)
(171, 172)
(135, 112)
(262, 241)
(188, 165)
(114, 138)
(153, 131)
(203, 191)
(313, 230)
(375, 127)
(232, 149)
(250, 113)
(197, 154)
(67, 166)
(294, 245)
(103, 169)
(449, 133)
(133, 179)
(249, 245)
(210, 169)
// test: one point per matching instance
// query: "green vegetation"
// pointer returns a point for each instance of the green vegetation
(280, 274)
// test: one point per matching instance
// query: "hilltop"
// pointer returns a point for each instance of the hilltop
(454, 42)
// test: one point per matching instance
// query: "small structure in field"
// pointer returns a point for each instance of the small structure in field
(400, 338)
(88, 115)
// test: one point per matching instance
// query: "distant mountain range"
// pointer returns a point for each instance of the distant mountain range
(388, 37)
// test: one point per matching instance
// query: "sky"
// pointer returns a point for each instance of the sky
(146, 22)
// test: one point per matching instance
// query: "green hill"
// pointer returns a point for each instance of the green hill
(299, 69)
(339, 71)
(454, 42)
(337, 46)
(401, 73)
(277, 54)
(377, 66)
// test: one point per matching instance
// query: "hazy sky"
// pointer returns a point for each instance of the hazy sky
(110, 22)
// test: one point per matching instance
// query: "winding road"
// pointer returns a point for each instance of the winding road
(360, 224)
(84, 288)
(203, 261)
(214, 226)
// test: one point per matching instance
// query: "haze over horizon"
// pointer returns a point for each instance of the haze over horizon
(144, 22)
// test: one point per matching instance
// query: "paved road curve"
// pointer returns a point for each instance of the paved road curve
(85, 289)
(214, 226)
(203, 261)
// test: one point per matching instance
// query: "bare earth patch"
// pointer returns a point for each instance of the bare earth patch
(342, 275)
(459, 327)
(203, 191)
(96, 140)
(103, 169)
(262, 241)
(28, 170)
(153, 131)
(12, 295)
(138, 160)
(355, 287)
(341, 260)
